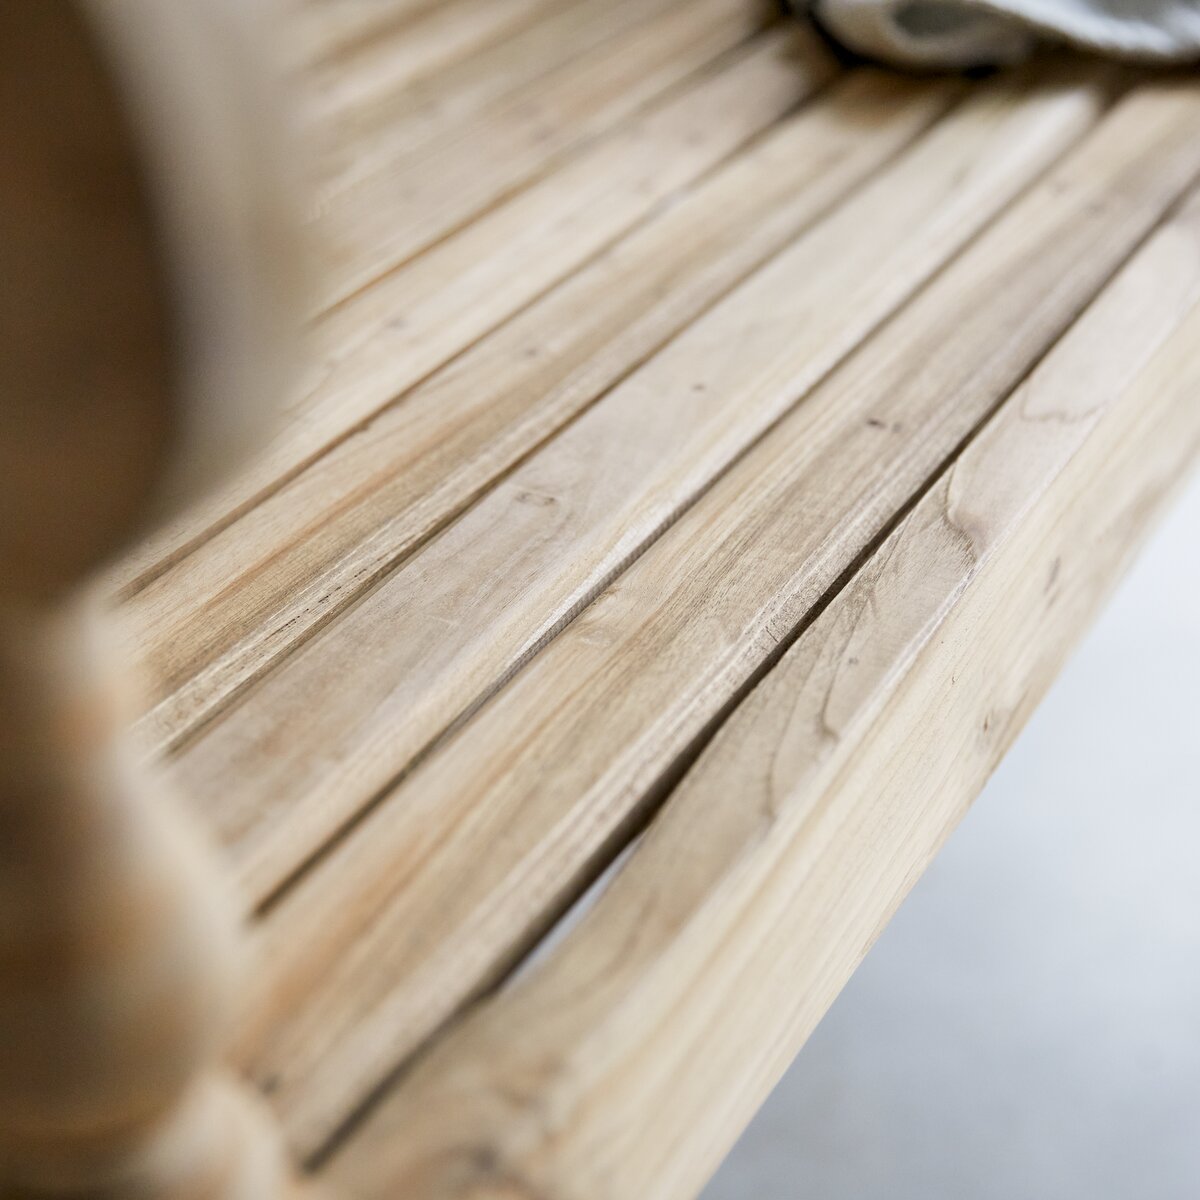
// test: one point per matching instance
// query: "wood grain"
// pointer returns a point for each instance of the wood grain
(371, 350)
(628, 379)
(386, 122)
(322, 29)
(455, 620)
(628, 1060)
(252, 594)
(119, 939)
(442, 36)
(460, 866)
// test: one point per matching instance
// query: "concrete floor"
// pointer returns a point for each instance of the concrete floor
(1028, 1028)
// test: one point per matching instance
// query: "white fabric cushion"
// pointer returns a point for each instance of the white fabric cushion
(966, 33)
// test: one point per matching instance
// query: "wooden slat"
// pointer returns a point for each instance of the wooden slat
(252, 594)
(389, 122)
(443, 36)
(394, 206)
(461, 615)
(627, 1062)
(427, 899)
(374, 348)
(321, 29)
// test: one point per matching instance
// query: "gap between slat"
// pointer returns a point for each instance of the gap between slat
(1067, 211)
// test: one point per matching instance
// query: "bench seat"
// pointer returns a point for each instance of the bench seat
(709, 454)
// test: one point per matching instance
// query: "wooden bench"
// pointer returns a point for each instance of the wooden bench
(705, 456)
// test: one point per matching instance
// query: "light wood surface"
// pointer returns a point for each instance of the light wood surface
(407, 188)
(120, 943)
(626, 1061)
(670, 386)
(378, 63)
(377, 495)
(481, 843)
(320, 30)
(540, 566)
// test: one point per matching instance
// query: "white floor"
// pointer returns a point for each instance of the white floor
(1028, 1028)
